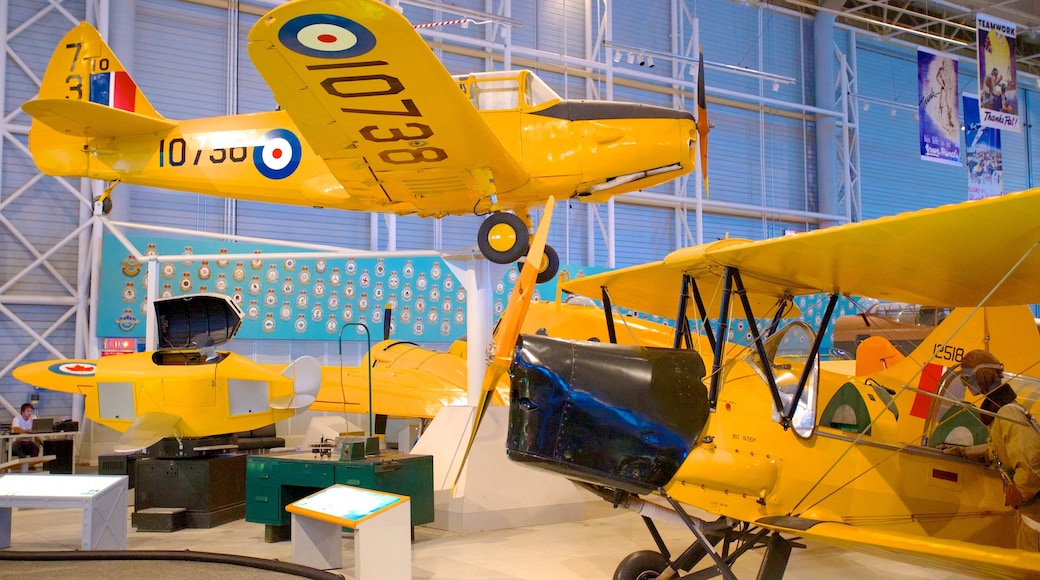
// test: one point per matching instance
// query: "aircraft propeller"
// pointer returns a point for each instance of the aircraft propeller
(305, 373)
(703, 125)
(508, 329)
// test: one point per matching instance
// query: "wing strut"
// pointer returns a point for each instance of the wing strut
(701, 310)
(760, 346)
(682, 322)
(824, 323)
(608, 311)
(716, 363)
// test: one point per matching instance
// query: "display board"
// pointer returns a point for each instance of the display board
(344, 505)
(299, 298)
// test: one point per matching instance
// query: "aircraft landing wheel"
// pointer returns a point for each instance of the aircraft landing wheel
(503, 238)
(550, 265)
(106, 203)
(641, 565)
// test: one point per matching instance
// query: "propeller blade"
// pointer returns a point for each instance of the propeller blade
(387, 320)
(509, 327)
(305, 373)
(702, 122)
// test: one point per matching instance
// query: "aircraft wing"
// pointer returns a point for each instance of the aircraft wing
(70, 376)
(965, 254)
(395, 392)
(372, 99)
(953, 555)
(148, 429)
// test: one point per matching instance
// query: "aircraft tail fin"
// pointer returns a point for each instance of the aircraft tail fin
(86, 93)
(1009, 332)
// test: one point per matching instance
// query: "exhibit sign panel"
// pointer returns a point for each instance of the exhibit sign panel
(998, 84)
(982, 154)
(937, 107)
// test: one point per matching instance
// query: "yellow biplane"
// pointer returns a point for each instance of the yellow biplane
(769, 439)
(368, 119)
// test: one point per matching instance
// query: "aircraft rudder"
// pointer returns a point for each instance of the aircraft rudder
(83, 67)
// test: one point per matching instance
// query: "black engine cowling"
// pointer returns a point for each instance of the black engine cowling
(620, 416)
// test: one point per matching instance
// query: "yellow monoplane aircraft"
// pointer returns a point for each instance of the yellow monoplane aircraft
(369, 120)
(766, 437)
(188, 389)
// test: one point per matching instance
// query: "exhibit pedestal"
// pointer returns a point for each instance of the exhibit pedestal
(381, 523)
(493, 492)
(212, 490)
(103, 499)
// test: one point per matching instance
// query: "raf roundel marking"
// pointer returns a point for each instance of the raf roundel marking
(326, 36)
(278, 155)
(73, 369)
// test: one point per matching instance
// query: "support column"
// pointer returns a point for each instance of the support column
(826, 125)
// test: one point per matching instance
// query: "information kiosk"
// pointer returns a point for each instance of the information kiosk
(381, 523)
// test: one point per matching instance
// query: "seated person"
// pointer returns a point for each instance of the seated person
(1014, 443)
(24, 446)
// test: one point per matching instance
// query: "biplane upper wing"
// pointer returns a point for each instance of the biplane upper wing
(630, 287)
(953, 555)
(376, 104)
(973, 253)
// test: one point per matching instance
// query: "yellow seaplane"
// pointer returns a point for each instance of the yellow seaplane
(369, 119)
(766, 436)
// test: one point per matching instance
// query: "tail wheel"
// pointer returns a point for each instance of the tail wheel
(503, 238)
(106, 203)
(550, 265)
(642, 565)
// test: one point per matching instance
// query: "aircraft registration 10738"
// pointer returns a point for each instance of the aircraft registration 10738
(369, 120)
(778, 443)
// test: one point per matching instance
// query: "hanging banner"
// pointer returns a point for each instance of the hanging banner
(981, 153)
(937, 107)
(998, 85)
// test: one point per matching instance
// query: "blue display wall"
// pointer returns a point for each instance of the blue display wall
(297, 298)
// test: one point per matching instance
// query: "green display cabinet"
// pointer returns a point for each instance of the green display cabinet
(274, 482)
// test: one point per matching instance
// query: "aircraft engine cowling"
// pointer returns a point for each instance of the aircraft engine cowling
(621, 416)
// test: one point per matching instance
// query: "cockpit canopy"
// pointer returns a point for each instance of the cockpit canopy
(506, 90)
(196, 321)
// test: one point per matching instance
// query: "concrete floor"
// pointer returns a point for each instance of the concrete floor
(586, 549)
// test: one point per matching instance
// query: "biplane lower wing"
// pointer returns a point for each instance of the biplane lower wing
(953, 555)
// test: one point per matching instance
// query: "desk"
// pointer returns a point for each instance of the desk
(101, 497)
(7, 451)
(275, 481)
